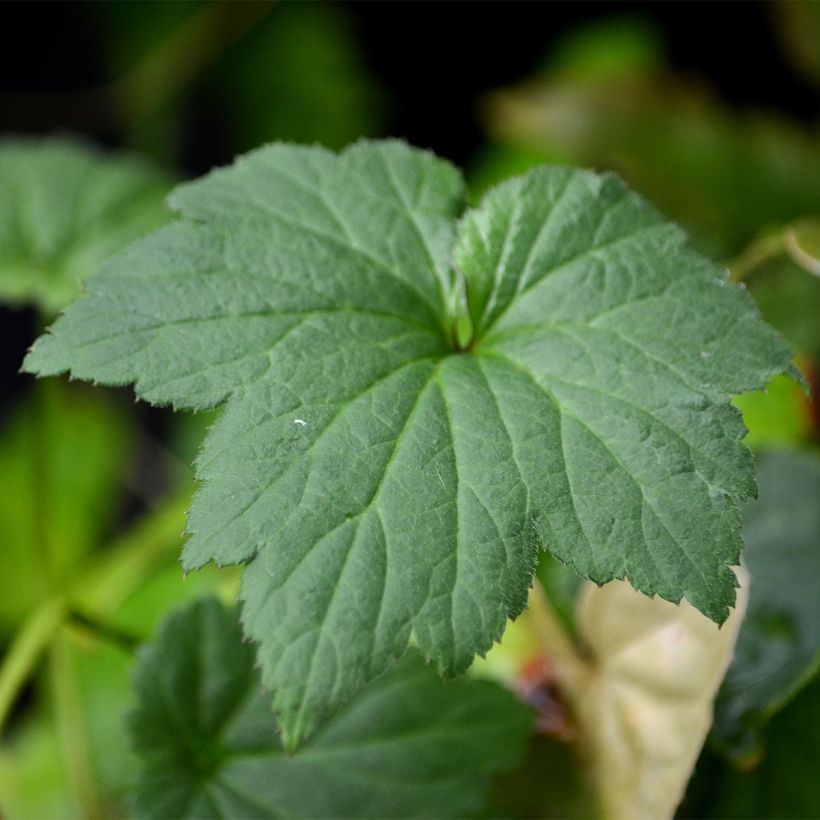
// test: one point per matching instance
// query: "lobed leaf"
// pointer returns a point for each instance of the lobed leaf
(406, 746)
(413, 405)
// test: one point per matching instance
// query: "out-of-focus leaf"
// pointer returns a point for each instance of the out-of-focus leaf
(62, 452)
(299, 76)
(789, 298)
(616, 45)
(561, 586)
(143, 610)
(103, 670)
(725, 176)
(779, 645)
(128, 32)
(779, 415)
(549, 784)
(646, 707)
(407, 745)
(782, 783)
(32, 776)
(495, 163)
(640, 693)
(64, 209)
(32, 770)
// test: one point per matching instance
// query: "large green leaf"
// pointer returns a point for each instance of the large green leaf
(384, 469)
(778, 650)
(64, 209)
(407, 746)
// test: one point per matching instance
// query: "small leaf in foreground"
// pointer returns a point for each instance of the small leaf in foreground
(414, 404)
(64, 209)
(408, 745)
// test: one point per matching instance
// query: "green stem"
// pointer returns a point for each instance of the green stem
(164, 71)
(28, 645)
(755, 255)
(98, 591)
(570, 668)
(71, 729)
(104, 631)
(109, 581)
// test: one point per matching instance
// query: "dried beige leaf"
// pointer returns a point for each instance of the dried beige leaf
(646, 706)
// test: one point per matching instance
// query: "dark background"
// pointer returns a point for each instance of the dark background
(434, 60)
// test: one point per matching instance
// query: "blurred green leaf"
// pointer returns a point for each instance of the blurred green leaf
(33, 781)
(784, 783)
(128, 32)
(407, 745)
(550, 784)
(299, 76)
(779, 645)
(33, 771)
(62, 454)
(65, 207)
(561, 585)
(726, 176)
(789, 298)
(781, 783)
(603, 48)
(777, 416)
(296, 73)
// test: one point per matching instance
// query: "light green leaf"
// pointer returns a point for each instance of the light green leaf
(407, 746)
(64, 209)
(383, 472)
(778, 650)
(780, 415)
(62, 452)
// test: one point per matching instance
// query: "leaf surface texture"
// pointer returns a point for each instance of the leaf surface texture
(383, 474)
